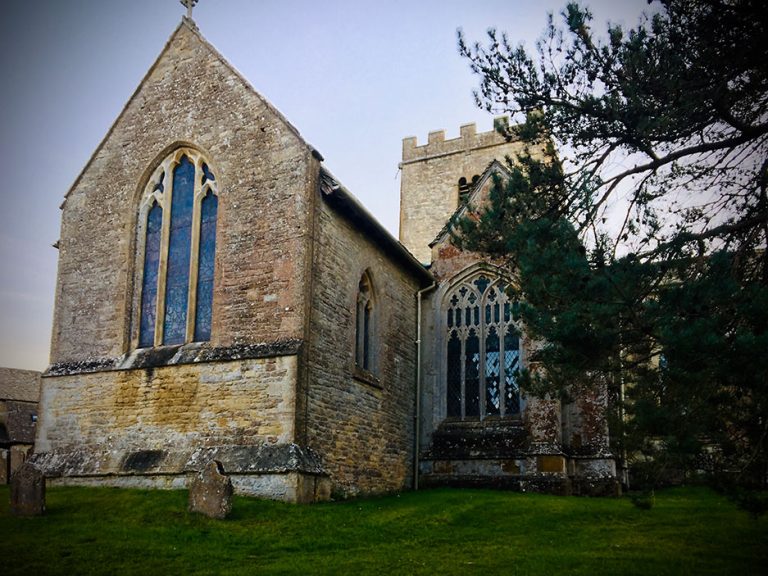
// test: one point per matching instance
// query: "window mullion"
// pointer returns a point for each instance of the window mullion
(502, 364)
(194, 253)
(165, 236)
(463, 339)
(481, 381)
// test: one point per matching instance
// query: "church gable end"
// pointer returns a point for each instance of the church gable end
(183, 288)
(191, 97)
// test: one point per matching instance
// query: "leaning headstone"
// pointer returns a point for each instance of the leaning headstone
(28, 491)
(210, 492)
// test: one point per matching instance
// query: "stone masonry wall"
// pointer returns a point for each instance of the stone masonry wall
(362, 426)
(191, 96)
(246, 402)
(429, 193)
(21, 421)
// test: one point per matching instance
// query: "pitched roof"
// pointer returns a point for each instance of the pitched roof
(189, 25)
(344, 201)
(23, 385)
(494, 167)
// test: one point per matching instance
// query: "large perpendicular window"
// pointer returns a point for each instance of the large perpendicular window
(482, 350)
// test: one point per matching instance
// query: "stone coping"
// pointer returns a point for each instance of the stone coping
(194, 353)
(256, 459)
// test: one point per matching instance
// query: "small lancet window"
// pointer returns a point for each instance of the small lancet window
(178, 251)
(364, 325)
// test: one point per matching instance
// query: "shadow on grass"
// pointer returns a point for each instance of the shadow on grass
(117, 531)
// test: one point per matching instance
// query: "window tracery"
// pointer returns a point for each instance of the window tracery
(177, 245)
(482, 350)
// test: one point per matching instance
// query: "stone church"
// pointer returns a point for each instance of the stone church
(222, 296)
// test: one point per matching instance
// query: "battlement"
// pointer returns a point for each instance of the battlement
(438, 146)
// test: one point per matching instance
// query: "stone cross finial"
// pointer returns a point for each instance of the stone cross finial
(189, 4)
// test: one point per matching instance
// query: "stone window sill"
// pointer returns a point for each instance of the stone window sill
(365, 376)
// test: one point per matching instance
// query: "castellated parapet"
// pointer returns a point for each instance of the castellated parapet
(429, 188)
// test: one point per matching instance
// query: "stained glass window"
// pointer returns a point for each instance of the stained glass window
(149, 279)
(205, 267)
(179, 249)
(482, 350)
(186, 208)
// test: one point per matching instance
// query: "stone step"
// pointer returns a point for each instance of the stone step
(548, 484)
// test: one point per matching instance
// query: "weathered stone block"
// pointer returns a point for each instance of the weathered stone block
(210, 492)
(28, 491)
(18, 455)
(4, 458)
(551, 464)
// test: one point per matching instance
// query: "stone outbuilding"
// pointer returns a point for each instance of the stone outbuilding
(19, 395)
(221, 296)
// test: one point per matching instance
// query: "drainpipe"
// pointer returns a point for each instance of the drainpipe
(416, 416)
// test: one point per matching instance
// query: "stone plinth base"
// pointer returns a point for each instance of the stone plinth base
(276, 472)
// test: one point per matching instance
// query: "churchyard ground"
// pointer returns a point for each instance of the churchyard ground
(118, 531)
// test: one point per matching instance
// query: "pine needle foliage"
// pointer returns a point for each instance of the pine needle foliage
(640, 246)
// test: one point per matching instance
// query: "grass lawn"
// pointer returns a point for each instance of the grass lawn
(114, 531)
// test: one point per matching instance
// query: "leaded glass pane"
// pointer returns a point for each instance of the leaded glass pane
(492, 371)
(149, 281)
(472, 375)
(177, 275)
(205, 268)
(366, 337)
(511, 365)
(364, 341)
(454, 376)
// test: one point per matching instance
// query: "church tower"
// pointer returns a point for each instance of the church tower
(437, 175)
(477, 426)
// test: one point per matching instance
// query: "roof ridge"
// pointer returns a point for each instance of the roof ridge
(192, 27)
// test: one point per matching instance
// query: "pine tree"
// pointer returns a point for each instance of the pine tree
(668, 297)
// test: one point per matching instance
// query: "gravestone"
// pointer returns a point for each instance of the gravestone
(28, 491)
(210, 492)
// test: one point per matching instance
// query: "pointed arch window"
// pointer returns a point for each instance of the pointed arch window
(364, 325)
(177, 246)
(482, 350)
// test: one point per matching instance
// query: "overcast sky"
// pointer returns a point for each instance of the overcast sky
(355, 78)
